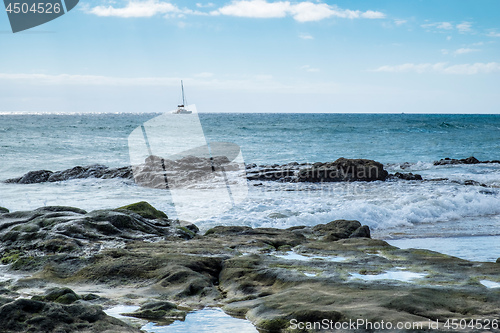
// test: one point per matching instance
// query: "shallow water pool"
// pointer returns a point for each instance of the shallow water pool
(208, 320)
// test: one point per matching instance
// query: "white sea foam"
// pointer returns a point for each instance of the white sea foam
(379, 205)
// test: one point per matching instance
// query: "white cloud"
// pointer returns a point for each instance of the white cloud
(442, 68)
(370, 14)
(305, 36)
(445, 51)
(255, 8)
(464, 27)
(448, 38)
(136, 9)
(88, 79)
(400, 22)
(310, 69)
(308, 11)
(200, 5)
(204, 74)
(305, 11)
(252, 83)
(439, 26)
(444, 25)
(465, 50)
(494, 34)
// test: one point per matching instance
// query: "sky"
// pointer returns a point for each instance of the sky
(387, 56)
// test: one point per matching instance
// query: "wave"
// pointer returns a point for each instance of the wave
(380, 206)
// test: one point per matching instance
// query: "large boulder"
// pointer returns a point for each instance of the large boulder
(341, 229)
(344, 169)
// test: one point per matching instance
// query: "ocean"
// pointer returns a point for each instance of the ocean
(466, 218)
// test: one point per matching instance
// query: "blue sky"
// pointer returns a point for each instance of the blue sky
(257, 56)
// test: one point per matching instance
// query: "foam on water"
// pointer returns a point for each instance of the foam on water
(394, 206)
(380, 205)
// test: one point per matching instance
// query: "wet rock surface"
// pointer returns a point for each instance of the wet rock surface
(468, 160)
(160, 173)
(158, 310)
(155, 172)
(406, 176)
(78, 172)
(47, 315)
(331, 271)
(26, 237)
(344, 170)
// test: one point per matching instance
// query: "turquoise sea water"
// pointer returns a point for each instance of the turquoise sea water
(395, 209)
(66, 140)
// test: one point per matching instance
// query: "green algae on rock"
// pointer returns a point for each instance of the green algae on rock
(145, 210)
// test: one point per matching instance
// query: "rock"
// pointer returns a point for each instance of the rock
(32, 177)
(23, 315)
(407, 176)
(78, 172)
(90, 297)
(66, 230)
(160, 173)
(58, 295)
(3, 210)
(157, 310)
(145, 210)
(265, 237)
(344, 170)
(245, 271)
(468, 160)
(471, 182)
(363, 231)
(341, 229)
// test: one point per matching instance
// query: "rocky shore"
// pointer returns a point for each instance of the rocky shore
(158, 173)
(64, 265)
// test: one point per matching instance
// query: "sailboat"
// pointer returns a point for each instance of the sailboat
(182, 108)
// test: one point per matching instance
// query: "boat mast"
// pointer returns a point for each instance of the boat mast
(183, 100)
